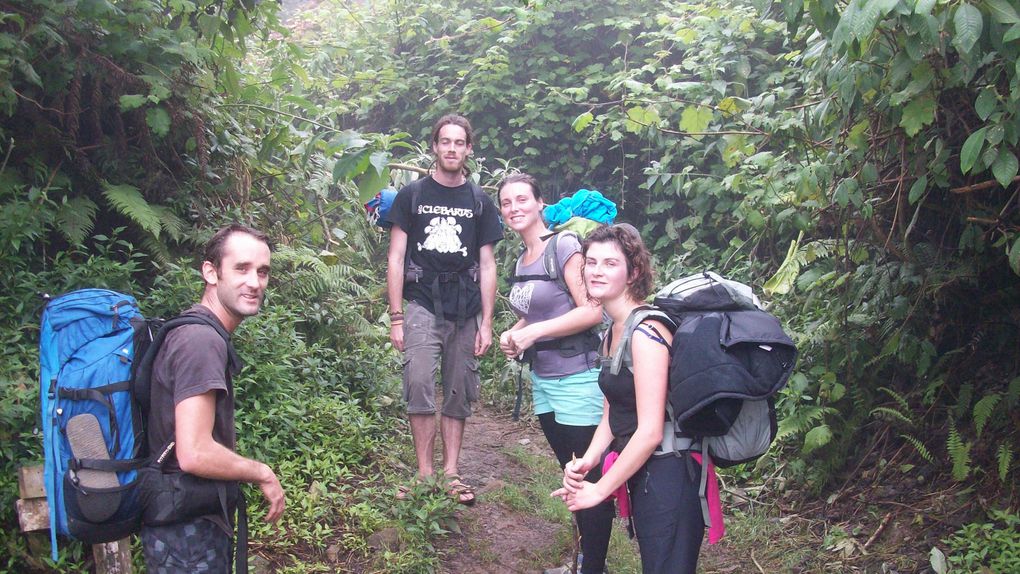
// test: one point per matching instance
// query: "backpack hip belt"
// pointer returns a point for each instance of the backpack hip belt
(674, 444)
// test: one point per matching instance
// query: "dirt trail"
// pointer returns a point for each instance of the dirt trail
(495, 538)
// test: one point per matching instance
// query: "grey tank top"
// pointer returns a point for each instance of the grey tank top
(537, 300)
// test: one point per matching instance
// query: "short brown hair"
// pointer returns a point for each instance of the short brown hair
(639, 260)
(214, 247)
(456, 120)
(519, 178)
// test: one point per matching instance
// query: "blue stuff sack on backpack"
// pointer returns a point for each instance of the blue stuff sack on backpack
(586, 203)
(378, 208)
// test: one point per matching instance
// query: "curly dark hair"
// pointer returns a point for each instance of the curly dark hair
(639, 260)
(520, 178)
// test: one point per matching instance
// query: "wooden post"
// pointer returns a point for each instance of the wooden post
(113, 557)
(34, 515)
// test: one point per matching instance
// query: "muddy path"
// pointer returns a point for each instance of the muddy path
(499, 539)
(494, 536)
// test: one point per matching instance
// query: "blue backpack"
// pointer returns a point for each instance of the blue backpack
(96, 352)
(86, 346)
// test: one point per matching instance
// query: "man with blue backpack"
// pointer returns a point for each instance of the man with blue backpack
(441, 262)
(191, 431)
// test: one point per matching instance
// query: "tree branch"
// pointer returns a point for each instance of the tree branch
(280, 112)
(980, 186)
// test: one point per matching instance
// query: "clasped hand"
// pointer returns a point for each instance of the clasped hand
(515, 342)
(578, 493)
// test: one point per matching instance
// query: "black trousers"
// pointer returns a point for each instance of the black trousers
(667, 514)
(595, 524)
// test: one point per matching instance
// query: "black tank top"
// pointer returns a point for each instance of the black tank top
(619, 391)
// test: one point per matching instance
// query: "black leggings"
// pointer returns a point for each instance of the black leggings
(595, 524)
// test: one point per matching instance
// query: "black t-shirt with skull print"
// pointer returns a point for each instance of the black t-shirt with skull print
(444, 235)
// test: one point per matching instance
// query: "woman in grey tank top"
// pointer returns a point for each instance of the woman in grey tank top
(555, 335)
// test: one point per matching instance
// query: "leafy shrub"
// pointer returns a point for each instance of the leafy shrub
(992, 545)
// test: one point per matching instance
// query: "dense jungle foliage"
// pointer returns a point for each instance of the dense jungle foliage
(856, 161)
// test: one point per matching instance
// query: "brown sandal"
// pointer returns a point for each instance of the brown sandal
(461, 492)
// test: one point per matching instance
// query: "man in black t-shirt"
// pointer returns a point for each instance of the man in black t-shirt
(191, 420)
(441, 262)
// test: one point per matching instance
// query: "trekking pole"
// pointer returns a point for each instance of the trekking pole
(576, 531)
(520, 394)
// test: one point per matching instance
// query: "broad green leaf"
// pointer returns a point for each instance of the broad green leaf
(870, 13)
(582, 121)
(782, 282)
(994, 135)
(793, 9)
(350, 165)
(30, 74)
(755, 219)
(158, 121)
(731, 105)
(972, 149)
(349, 139)
(917, 114)
(856, 138)
(845, 29)
(1014, 256)
(379, 159)
(838, 391)
(130, 102)
(917, 190)
(490, 24)
(695, 119)
(968, 24)
(1002, 11)
(985, 103)
(817, 438)
(938, 561)
(1005, 167)
(1012, 34)
(371, 182)
(924, 7)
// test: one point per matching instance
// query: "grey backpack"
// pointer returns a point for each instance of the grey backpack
(728, 360)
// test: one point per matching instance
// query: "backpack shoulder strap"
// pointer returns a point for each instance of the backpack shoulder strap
(416, 188)
(142, 379)
(480, 197)
(622, 356)
(549, 264)
(551, 259)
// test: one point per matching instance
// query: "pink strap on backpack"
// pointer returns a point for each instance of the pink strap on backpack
(718, 529)
(620, 494)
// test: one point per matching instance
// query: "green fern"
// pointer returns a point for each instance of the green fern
(174, 226)
(919, 447)
(156, 249)
(75, 219)
(959, 453)
(963, 400)
(1004, 456)
(1013, 393)
(897, 397)
(801, 421)
(983, 410)
(129, 202)
(891, 414)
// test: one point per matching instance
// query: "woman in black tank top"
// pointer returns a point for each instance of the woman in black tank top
(662, 494)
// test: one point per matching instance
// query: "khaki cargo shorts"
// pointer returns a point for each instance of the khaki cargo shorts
(431, 344)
